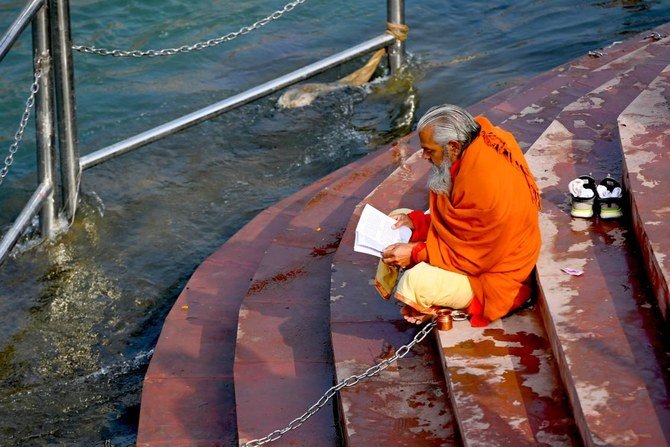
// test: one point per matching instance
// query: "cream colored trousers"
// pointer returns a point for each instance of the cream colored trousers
(426, 288)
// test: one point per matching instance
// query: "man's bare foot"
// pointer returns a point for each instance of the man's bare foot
(414, 316)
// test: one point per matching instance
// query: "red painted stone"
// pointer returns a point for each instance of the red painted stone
(192, 347)
(290, 331)
(287, 307)
(592, 319)
(212, 299)
(644, 128)
(187, 412)
(598, 323)
(269, 395)
(504, 383)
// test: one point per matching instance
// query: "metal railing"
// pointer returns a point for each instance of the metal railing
(37, 12)
(52, 51)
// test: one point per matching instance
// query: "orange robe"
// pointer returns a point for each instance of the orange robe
(488, 228)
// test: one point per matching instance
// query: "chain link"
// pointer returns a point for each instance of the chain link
(18, 136)
(195, 47)
(348, 382)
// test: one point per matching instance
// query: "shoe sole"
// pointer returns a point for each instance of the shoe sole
(581, 213)
(610, 214)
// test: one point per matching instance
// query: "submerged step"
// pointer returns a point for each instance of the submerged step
(601, 324)
(644, 129)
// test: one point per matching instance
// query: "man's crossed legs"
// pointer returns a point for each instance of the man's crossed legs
(425, 289)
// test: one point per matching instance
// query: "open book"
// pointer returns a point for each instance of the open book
(374, 232)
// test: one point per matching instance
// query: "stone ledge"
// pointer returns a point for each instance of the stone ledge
(644, 130)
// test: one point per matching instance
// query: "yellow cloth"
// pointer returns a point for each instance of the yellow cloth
(424, 286)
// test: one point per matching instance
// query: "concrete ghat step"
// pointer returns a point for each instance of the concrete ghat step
(406, 404)
(188, 395)
(504, 384)
(513, 103)
(283, 360)
(644, 129)
(529, 111)
(601, 325)
(356, 303)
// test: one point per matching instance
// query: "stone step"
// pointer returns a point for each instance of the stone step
(504, 384)
(602, 325)
(527, 112)
(405, 404)
(355, 303)
(188, 394)
(538, 413)
(644, 130)
(283, 361)
(188, 398)
(516, 101)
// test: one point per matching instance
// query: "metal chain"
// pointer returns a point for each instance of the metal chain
(18, 136)
(348, 382)
(197, 46)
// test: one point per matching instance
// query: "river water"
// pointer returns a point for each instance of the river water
(79, 316)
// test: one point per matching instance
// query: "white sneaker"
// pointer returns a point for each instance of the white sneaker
(583, 192)
(609, 197)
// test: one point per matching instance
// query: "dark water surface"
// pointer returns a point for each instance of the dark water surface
(79, 317)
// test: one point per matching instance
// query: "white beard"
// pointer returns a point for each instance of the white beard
(439, 180)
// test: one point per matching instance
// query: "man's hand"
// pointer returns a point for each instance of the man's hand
(399, 254)
(402, 220)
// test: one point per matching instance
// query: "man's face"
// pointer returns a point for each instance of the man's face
(439, 180)
(431, 150)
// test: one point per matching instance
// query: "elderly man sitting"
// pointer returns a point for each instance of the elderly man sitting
(477, 247)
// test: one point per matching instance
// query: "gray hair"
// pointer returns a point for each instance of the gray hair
(450, 123)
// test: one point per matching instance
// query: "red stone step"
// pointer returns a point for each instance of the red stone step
(283, 361)
(504, 384)
(536, 414)
(406, 404)
(520, 101)
(188, 394)
(355, 299)
(644, 129)
(602, 327)
(512, 410)
(528, 112)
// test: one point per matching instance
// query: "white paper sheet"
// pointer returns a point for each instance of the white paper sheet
(374, 232)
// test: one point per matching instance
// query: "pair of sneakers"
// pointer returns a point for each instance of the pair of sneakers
(589, 198)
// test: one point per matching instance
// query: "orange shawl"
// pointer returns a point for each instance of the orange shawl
(488, 229)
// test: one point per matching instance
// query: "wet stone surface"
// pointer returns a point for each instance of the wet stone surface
(598, 323)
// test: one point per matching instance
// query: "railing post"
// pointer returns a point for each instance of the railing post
(396, 15)
(67, 124)
(45, 118)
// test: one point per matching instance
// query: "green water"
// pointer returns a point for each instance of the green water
(79, 317)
